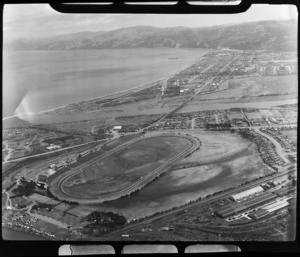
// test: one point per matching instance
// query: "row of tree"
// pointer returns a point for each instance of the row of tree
(218, 126)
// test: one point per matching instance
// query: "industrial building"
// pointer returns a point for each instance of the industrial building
(235, 208)
(246, 193)
(84, 153)
(44, 175)
(260, 213)
(280, 180)
(285, 190)
(275, 206)
(266, 210)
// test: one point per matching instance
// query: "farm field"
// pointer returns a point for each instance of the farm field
(121, 169)
(291, 115)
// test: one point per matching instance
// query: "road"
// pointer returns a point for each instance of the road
(8, 204)
(207, 83)
(50, 152)
(201, 202)
(60, 180)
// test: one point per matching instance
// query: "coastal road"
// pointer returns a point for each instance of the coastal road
(58, 182)
(126, 230)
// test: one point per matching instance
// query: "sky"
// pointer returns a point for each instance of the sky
(40, 20)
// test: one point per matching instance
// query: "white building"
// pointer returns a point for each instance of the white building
(246, 193)
(117, 127)
(53, 147)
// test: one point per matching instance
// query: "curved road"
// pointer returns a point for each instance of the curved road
(278, 147)
(62, 195)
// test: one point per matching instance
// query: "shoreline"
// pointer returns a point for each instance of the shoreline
(112, 94)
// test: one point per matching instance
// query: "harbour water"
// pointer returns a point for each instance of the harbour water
(42, 80)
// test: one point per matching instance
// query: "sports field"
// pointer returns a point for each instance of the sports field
(123, 168)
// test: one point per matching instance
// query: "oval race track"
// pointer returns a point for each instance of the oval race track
(56, 186)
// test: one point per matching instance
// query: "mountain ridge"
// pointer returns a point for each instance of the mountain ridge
(261, 35)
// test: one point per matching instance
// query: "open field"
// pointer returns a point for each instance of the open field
(291, 115)
(291, 134)
(215, 146)
(256, 102)
(123, 168)
(254, 86)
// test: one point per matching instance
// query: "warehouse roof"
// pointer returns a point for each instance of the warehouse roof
(276, 206)
(238, 207)
(248, 192)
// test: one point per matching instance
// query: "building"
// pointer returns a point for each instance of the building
(285, 190)
(280, 180)
(246, 193)
(60, 165)
(235, 208)
(260, 213)
(275, 206)
(52, 166)
(44, 175)
(84, 153)
(53, 147)
(117, 127)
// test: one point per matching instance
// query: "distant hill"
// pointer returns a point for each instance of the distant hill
(263, 35)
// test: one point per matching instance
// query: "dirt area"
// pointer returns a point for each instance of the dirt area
(215, 146)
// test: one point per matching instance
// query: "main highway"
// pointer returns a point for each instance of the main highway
(56, 186)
